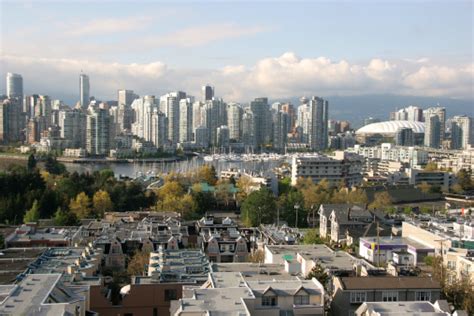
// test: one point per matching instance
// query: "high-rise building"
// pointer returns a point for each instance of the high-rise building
(289, 109)
(169, 105)
(411, 113)
(304, 120)
(10, 120)
(72, 125)
(280, 129)
(222, 136)
(441, 113)
(261, 121)
(185, 120)
(143, 109)
(404, 137)
(207, 93)
(248, 134)
(15, 86)
(432, 130)
(234, 121)
(318, 137)
(97, 132)
(462, 132)
(125, 112)
(84, 90)
(198, 115)
(201, 136)
(159, 128)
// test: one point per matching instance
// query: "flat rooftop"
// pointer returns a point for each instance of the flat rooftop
(387, 282)
(404, 308)
(14, 261)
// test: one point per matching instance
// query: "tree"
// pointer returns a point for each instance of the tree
(424, 187)
(137, 264)
(64, 218)
(223, 193)
(431, 166)
(101, 203)
(319, 274)
(31, 162)
(358, 196)
(286, 205)
(53, 166)
(257, 256)
(407, 210)
(464, 179)
(284, 185)
(207, 173)
(311, 237)
(81, 206)
(457, 188)
(259, 208)
(33, 214)
(382, 200)
(244, 184)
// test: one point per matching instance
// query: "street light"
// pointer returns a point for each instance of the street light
(297, 206)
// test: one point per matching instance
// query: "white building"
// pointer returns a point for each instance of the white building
(462, 132)
(343, 166)
(185, 120)
(234, 121)
(84, 90)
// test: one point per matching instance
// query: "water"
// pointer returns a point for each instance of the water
(133, 169)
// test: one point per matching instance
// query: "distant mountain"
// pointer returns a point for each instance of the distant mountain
(356, 108)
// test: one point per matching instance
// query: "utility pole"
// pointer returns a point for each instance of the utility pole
(297, 206)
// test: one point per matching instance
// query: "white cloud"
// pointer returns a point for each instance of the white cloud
(107, 25)
(201, 35)
(279, 77)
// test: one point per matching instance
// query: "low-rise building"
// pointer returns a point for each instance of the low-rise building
(29, 235)
(342, 167)
(442, 179)
(415, 308)
(350, 292)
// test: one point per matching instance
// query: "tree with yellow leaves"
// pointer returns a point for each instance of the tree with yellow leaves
(101, 203)
(81, 206)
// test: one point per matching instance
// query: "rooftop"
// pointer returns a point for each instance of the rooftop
(370, 283)
(391, 127)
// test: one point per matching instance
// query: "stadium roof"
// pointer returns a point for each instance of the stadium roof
(391, 127)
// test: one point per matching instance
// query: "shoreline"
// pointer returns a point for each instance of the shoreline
(98, 160)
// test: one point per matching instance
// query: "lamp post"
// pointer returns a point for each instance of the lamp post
(297, 206)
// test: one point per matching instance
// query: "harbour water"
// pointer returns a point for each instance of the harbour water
(137, 168)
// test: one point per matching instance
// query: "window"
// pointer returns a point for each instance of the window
(358, 297)
(269, 301)
(171, 294)
(390, 296)
(423, 296)
(301, 300)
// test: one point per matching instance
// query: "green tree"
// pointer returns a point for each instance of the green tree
(284, 186)
(53, 166)
(33, 213)
(259, 208)
(319, 273)
(457, 188)
(311, 237)
(101, 203)
(81, 206)
(31, 162)
(464, 179)
(286, 206)
(64, 218)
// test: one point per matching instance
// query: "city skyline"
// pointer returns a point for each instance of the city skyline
(266, 51)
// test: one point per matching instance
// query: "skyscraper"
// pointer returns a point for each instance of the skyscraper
(169, 105)
(280, 129)
(441, 113)
(124, 111)
(461, 132)
(207, 93)
(261, 121)
(15, 86)
(410, 113)
(248, 135)
(73, 127)
(10, 120)
(84, 90)
(159, 128)
(234, 121)
(222, 136)
(97, 132)
(404, 137)
(318, 137)
(144, 109)
(186, 120)
(432, 130)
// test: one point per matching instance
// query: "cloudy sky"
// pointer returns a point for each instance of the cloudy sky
(245, 49)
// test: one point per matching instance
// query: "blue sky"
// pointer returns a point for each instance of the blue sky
(181, 43)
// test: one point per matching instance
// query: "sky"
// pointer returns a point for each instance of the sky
(245, 49)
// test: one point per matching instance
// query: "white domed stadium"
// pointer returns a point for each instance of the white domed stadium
(386, 131)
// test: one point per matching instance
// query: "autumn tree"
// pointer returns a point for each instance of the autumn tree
(207, 173)
(257, 256)
(314, 194)
(464, 179)
(81, 206)
(223, 193)
(244, 184)
(137, 264)
(431, 166)
(101, 203)
(32, 215)
(382, 201)
(424, 187)
(259, 208)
